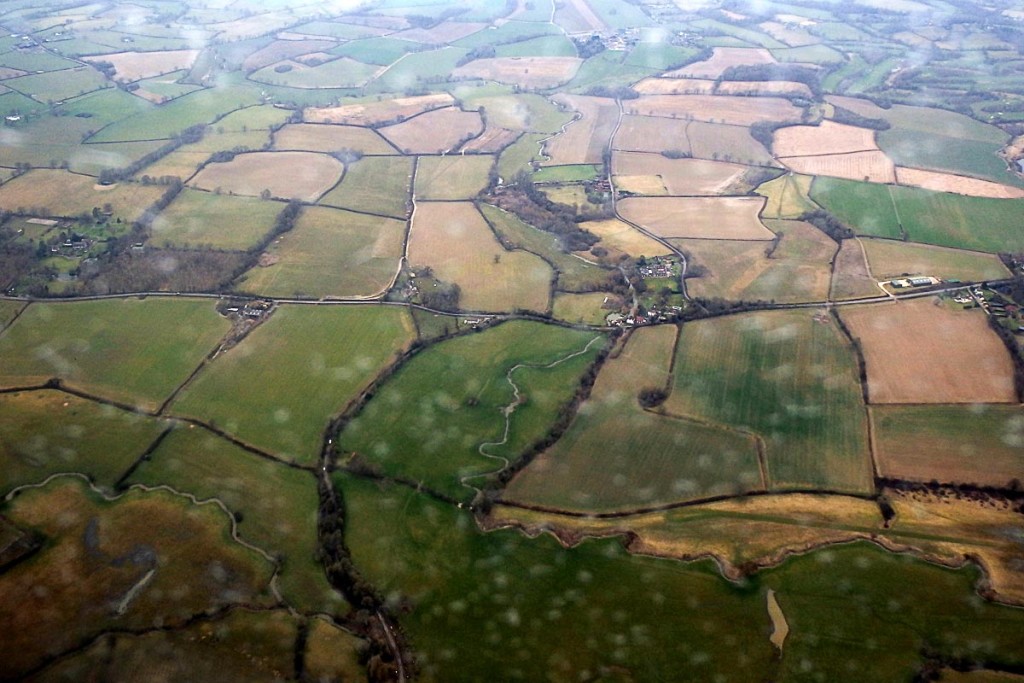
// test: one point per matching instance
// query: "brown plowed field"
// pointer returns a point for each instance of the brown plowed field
(739, 111)
(734, 218)
(284, 49)
(585, 139)
(678, 176)
(325, 138)
(675, 86)
(378, 112)
(435, 131)
(763, 88)
(947, 182)
(528, 72)
(721, 59)
(442, 34)
(302, 175)
(651, 134)
(869, 166)
(828, 138)
(494, 139)
(857, 106)
(131, 66)
(920, 352)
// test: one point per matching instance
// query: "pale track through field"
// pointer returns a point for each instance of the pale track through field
(510, 409)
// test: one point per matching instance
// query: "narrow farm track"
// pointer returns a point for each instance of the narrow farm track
(510, 409)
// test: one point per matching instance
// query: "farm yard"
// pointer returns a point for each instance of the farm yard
(511, 341)
(945, 342)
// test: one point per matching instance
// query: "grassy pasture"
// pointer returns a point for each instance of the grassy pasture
(99, 550)
(616, 456)
(789, 378)
(455, 240)
(239, 647)
(326, 138)
(429, 420)
(55, 86)
(45, 432)
(452, 177)
(258, 117)
(129, 350)
(374, 184)
(850, 276)
(541, 46)
(978, 444)
(302, 175)
(945, 343)
(798, 269)
(926, 149)
(575, 173)
(521, 111)
(937, 218)
(435, 131)
(197, 218)
(202, 106)
(891, 258)
(332, 654)
(608, 69)
(520, 155)
(787, 196)
(418, 67)
(36, 60)
(595, 606)
(330, 252)
(9, 309)
(279, 388)
(276, 505)
(165, 87)
(580, 308)
(51, 192)
(574, 273)
(380, 50)
(341, 72)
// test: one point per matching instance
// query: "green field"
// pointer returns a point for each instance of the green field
(279, 387)
(592, 608)
(275, 505)
(338, 73)
(982, 444)
(375, 185)
(519, 155)
(452, 177)
(428, 422)
(45, 432)
(566, 174)
(418, 67)
(202, 106)
(197, 218)
(659, 55)
(381, 51)
(128, 350)
(541, 46)
(55, 86)
(574, 274)
(608, 69)
(330, 252)
(523, 111)
(939, 218)
(509, 33)
(9, 309)
(616, 456)
(790, 379)
(580, 308)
